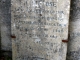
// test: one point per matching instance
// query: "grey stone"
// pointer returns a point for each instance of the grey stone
(74, 40)
(5, 21)
(38, 28)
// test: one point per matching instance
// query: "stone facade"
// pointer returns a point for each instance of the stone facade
(74, 30)
(73, 52)
(5, 21)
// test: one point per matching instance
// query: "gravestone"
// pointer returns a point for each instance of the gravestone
(39, 29)
(74, 40)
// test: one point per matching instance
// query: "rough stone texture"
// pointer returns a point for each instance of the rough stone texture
(38, 28)
(5, 21)
(74, 40)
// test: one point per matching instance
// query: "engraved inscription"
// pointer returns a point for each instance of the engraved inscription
(39, 27)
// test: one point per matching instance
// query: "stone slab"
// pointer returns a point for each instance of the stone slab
(38, 28)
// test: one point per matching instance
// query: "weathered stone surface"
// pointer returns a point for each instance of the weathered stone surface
(5, 21)
(38, 28)
(74, 40)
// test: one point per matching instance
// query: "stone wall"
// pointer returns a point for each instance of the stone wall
(74, 30)
(74, 42)
(5, 20)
